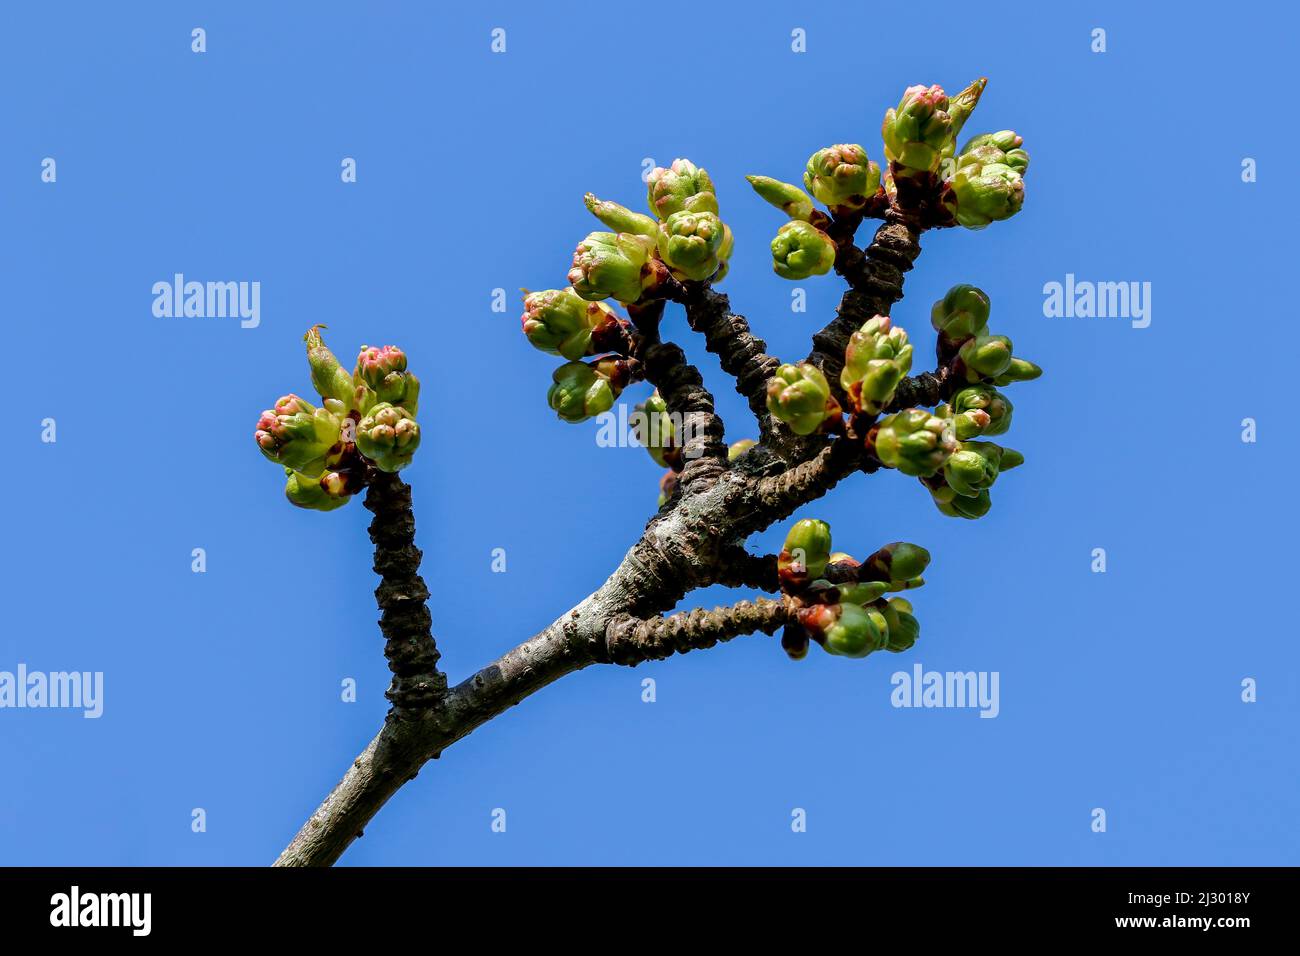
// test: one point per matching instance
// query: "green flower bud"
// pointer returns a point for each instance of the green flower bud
(555, 321)
(988, 184)
(978, 410)
(1019, 370)
(608, 265)
(1005, 142)
(620, 218)
(689, 243)
(582, 390)
(973, 467)
(916, 132)
(877, 358)
(306, 492)
(381, 376)
(959, 506)
(801, 250)
(954, 505)
(653, 427)
(842, 175)
(960, 108)
(862, 593)
(298, 435)
(966, 425)
(963, 312)
(800, 396)
(986, 194)
(898, 564)
(388, 436)
(913, 441)
(683, 187)
(805, 554)
(790, 199)
(845, 630)
(904, 629)
(724, 254)
(984, 357)
(880, 623)
(328, 377)
(561, 322)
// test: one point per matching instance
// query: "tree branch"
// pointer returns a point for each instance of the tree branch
(778, 496)
(875, 278)
(693, 544)
(928, 388)
(676, 554)
(630, 640)
(737, 568)
(680, 550)
(682, 388)
(403, 746)
(405, 621)
(727, 335)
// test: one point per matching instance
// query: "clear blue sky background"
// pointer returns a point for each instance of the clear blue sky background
(1118, 690)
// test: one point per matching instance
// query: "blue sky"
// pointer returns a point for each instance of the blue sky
(1119, 690)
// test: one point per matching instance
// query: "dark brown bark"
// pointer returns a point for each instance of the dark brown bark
(928, 388)
(740, 569)
(404, 620)
(727, 335)
(681, 386)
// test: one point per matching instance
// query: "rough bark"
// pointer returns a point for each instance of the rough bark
(404, 621)
(631, 640)
(740, 569)
(742, 354)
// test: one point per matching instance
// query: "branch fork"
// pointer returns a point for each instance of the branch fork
(696, 539)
